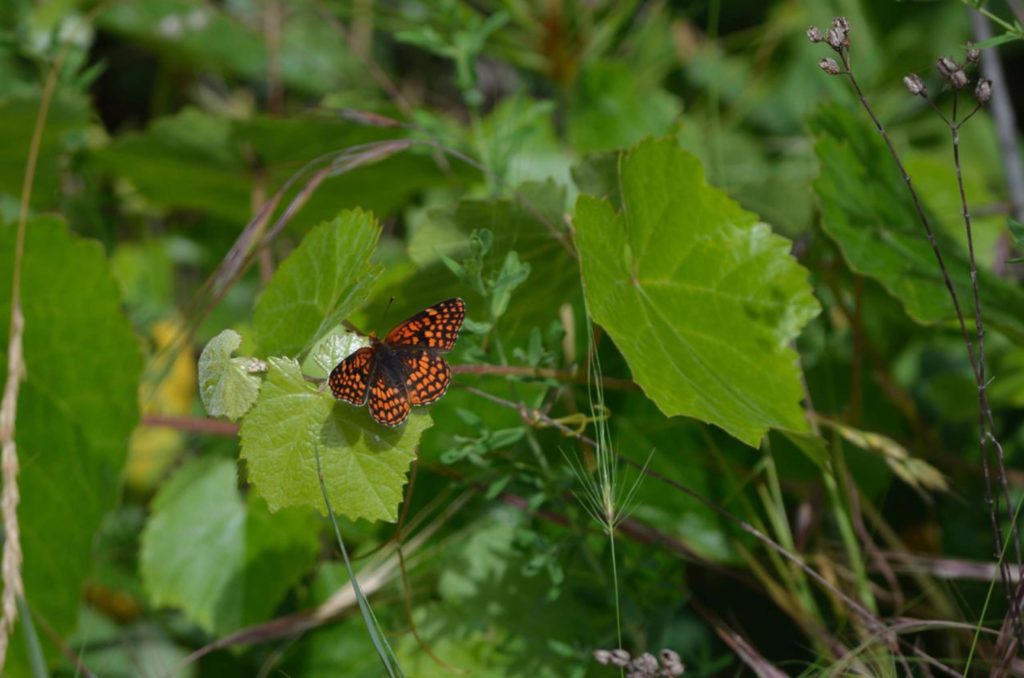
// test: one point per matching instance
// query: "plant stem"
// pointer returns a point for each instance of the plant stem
(985, 417)
(978, 369)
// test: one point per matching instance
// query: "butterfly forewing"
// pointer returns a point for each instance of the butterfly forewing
(389, 403)
(428, 375)
(350, 380)
(404, 369)
(435, 327)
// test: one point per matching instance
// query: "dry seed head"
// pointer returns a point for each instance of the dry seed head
(958, 79)
(983, 91)
(602, 656)
(829, 66)
(619, 657)
(947, 67)
(973, 53)
(835, 38)
(671, 663)
(814, 35)
(645, 663)
(842, 24)
(915, 85)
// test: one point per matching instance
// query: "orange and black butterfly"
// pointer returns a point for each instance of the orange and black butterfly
(404, 369)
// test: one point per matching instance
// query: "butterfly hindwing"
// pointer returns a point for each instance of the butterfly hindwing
(389, 403)
(428, 375)
(403, 369)
(350, 380)
(435, 327)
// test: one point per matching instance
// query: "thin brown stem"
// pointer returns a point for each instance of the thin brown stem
(213, 427)
(986, 422)
(571, 376)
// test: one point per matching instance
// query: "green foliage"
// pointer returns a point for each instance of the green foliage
(76, 408)
(64, 131)
(868, 213)
(618, 289)
(227, 387)
(326, 278)
(249, 560)
(700, 298)
(364, 464)
(612, 108)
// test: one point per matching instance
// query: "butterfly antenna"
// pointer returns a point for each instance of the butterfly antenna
(387, 308)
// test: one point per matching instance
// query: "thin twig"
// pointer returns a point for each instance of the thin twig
(214, 427)
(571, 376)
(986, 423)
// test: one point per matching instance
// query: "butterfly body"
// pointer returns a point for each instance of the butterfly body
(403, 369)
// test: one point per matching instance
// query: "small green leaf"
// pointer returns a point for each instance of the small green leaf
(700, 298)
(364, 463)
(227, 387)
(327, 277)
(1016, 230)
(224, 560)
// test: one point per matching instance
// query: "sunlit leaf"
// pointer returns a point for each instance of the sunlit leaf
(700, 298)
(364, 463)
(323, 280)
(226, 385)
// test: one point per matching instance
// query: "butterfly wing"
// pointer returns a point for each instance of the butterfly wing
(435, 327)
(389, 402)
(427, 375)
(350, 380)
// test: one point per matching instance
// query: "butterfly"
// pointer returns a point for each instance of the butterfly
(403, 369)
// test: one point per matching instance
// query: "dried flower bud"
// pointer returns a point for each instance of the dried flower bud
(602, 656)
(973, 53)
(835, 38)
(673, 665)
(947, 67)
(829, 66)
(620, 657)
(645, 665)
(841, 23)
(958, 79)
(915, 85)
(814, 35)
(983, 91)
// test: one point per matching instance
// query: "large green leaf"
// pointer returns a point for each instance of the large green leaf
(364, 463)
(225, 560)
(867, 211)
(184, 161)
(700, 298)
(225, 384)
(327, 277)
(76, 409)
